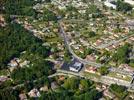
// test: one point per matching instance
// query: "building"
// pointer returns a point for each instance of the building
(91, 58)
(110, 4)
(34, 93)
(2, 21)
(23, 96)
(131, 2)
(13, 64)
(54, 85)
(126, 68)
(91, 69)
(75, 67)
(44, 88)
(107, 93)
(3, 79)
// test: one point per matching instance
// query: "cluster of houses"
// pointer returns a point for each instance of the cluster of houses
(62, 4)
(105, 90)
(109, 41)
(124, 73)
(36, 93)
(16, 62)
(40, 30)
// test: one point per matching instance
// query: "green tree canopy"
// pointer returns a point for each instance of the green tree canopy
(103, 70)
(122, 6)
(71, 83)
(118, 90)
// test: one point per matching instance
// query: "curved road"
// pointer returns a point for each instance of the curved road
(72, 52)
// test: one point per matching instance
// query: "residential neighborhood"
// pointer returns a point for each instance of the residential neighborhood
(67, 49)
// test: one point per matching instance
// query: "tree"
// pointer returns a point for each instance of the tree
(9, 94)
(85, 84)
(25, 42)
(131, 63)
(122, 6)
(67, 56)
(92, 9)
(88, 34)
(118, 90)
(121, 56)
(23, 7)
(71, 83)
(49, 15)
(90, 95)
(103, 70)
(39, 69)
(92, 34)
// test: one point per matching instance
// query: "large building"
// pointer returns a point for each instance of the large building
(129, 1)
(75, 67)
(109, 3)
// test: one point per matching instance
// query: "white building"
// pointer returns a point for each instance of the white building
(109, 3)
(129, 1)
(76, 67)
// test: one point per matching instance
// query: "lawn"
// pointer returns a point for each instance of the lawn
(113, 74)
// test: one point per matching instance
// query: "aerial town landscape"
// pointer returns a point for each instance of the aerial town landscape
(66, 49)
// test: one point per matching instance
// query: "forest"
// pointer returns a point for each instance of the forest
(14, 39)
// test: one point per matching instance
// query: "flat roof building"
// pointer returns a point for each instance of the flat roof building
(131, 2)
(75, 67)
(109, 3)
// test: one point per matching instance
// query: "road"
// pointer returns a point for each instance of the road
(113, 42)
(103, 79)
(63, 34)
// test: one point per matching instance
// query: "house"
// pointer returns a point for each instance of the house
(126, 68)
(91, 69)
(109, 48)
(54, 85)
(23, 96)
(2, 21)
(76, 67)
(61, 78)
(130, 23)
(3, 79)
(107, 93)
(98, 42)
(98, 87)
(91, 58)
(131, 96)
(34, 93)
(44, 88)
(25, 63)
(13, 64)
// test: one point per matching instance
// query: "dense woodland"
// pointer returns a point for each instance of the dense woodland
(124, 7)
(119, 91)
(122, 54)
(15, 39)
(73, 89)
(19, 7)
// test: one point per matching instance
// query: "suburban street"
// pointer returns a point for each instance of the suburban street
(103, 79)
(63, 34)
(113, 42)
